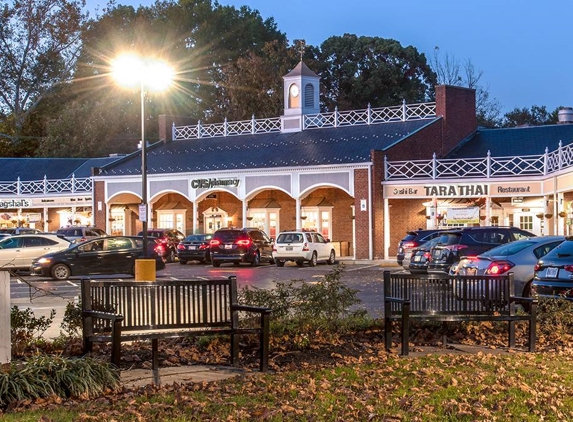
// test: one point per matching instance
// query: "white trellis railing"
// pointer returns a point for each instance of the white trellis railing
(484, 167)
(47, 186)
(369, 116)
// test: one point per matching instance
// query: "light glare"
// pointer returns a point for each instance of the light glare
(131, 71)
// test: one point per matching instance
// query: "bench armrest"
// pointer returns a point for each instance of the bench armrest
(247, 308)
(102, 315)
(395, 299)
(521, 299)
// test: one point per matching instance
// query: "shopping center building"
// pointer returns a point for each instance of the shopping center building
(362, 178)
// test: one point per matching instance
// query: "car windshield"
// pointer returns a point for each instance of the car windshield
(196, 238)
(564, 249)
(449, 239)
(508, 249)
(228, 235)
(290, 238)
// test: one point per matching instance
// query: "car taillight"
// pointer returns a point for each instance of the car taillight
(181, 246)
(499, 267)
(537, 267)
(568, 268)
(409, 244)
(215, 242)
(203, 246)
(243, 242)
(427, 255)
(159, 249)
(305, 247)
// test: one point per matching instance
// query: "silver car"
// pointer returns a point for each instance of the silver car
(300, 246)
(518, 257)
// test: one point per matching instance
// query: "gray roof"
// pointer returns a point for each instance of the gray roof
(313, 147)
(519, 141)
(301, 69)
(31, 169)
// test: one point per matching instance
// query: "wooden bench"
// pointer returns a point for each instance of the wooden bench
(118, 311)
(454, 298)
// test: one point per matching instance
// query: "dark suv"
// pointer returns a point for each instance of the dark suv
(469, 241)
(167, 241)
(241, 245)
(413, 239)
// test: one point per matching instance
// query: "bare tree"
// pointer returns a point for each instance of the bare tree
(450, 71)
(39, 44)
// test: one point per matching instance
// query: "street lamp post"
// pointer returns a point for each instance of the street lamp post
(153, 75)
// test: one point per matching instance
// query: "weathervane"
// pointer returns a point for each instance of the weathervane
(301, 48)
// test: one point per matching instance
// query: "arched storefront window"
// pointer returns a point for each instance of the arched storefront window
(317, 219)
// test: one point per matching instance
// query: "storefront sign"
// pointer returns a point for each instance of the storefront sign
(466, 215)
(35, 217)
(456, 190)
(15, 203)
(214, 183)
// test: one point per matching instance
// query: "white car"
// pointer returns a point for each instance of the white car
(302, 246)
(18, 252)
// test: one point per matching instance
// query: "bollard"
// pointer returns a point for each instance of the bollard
(5, 339)
(145, 270)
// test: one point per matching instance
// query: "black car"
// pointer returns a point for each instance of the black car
(413, 239)
(420, 257)
(194, 247)
(249, 245)
(104, 255)
(167, 239)
(469, 241)
(553, 273)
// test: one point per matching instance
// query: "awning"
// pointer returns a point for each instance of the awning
(316, 202)
(170, 206)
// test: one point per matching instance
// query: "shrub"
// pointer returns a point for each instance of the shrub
(72, 321)
(301, 308)
(26, 329)
(555, 317)
(44, 376)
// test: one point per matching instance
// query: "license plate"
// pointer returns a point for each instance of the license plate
(471, 271)
(288, 248)
(551, 272)
(417, 258)
(228, 246)
(192, 248)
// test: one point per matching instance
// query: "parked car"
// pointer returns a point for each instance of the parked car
(19, 230)
(194, 247)
(470, 241)
(77, 234)
(301, 247)
(553, 276)
(518, 257)
(167, 239)
(420, 257)
(413, 239)
(105, 255)
(18, 252)
(250, 245)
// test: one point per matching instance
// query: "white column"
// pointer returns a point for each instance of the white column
(195, 216)
(245, 202)
(386, 228)
(298, 220)
(5, 340)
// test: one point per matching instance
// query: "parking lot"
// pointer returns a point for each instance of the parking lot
(43, 294)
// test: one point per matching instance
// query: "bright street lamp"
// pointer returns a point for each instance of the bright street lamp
(153, 75)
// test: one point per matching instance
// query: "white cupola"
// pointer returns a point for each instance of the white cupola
(301, 88)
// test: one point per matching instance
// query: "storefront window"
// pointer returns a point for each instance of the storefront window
(526, 222)
(213, 221)
(265, 219)
(171, 219)
(317, 219)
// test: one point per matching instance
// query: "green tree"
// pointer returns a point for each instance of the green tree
(357, 71)
(534, 116)
(39, 43)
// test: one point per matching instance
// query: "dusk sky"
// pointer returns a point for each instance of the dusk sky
(522, 46)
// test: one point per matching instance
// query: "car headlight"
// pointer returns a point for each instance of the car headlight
(43, 261)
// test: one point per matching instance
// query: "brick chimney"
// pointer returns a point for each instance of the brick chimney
(457, 106)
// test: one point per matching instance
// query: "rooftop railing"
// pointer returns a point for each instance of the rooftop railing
(484, 167)
(45, 186)
(368, 116)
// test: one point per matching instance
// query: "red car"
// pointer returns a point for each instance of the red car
(166, 240)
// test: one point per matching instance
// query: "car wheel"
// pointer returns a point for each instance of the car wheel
(312, 261)
(256, 260)
(272, 261)
(331, 258)
(216, 263)
(526, 293)
(182, 262)
(159, 265)
(280, 263)
(300, 263)
(60, 272)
